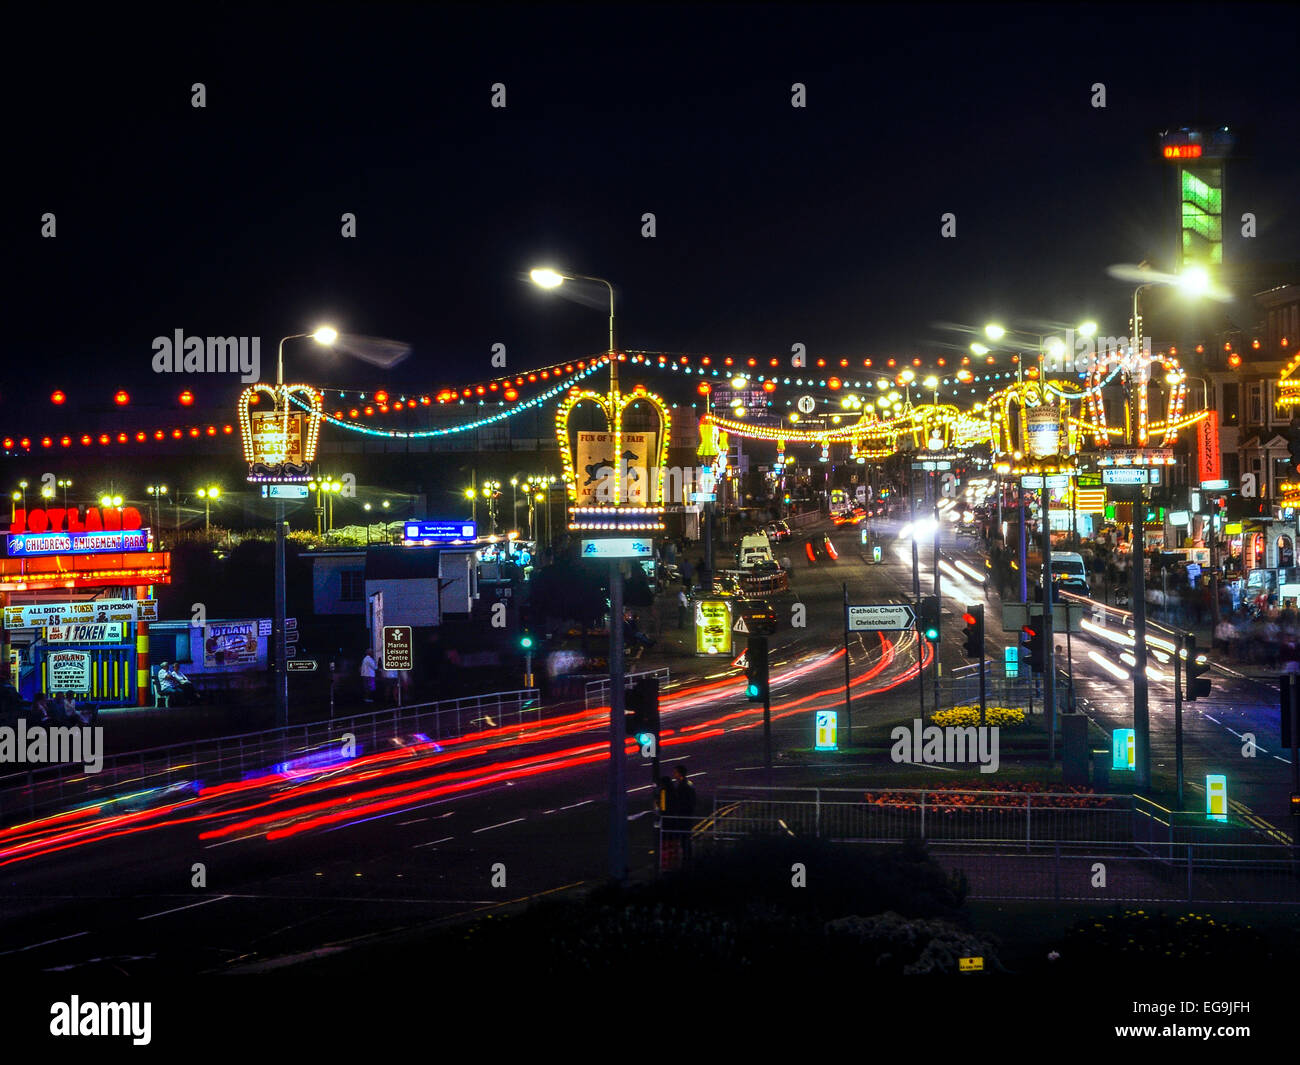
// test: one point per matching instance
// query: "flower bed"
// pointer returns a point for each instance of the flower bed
(969, 716)
(1015, 795)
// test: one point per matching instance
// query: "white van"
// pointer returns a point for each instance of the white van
(754, 549)
(1069, 573)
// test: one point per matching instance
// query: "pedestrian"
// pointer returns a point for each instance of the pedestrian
(180, 685)
(41, 708)
(683, 605)
(679, 810)
(688, 573)
(368, 668)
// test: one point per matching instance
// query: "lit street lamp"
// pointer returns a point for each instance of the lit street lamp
(325, 335)
(155, 492)
(208, 495)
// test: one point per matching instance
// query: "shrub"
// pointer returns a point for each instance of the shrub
(969, 716)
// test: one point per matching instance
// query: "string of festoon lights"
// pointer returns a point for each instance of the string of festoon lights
(477, 423)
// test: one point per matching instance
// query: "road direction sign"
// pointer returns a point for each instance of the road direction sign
(1131, 475)
(301, 665)
(881, 617)
(397, 647)
(1054, 480)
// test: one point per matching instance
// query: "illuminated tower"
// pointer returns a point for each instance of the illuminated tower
(1199, 155)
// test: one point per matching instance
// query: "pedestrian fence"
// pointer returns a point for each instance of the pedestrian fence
(961, 687)
(46, 788)
(597, 691)
(1067, 846)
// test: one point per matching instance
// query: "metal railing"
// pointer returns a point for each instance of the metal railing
(232, 757)
(886, 813)
(1068, 846)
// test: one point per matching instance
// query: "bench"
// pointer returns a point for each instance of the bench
(160, 697)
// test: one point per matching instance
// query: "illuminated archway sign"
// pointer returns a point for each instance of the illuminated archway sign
(280, 444)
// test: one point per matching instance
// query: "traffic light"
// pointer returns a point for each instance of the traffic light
(1197, 686)
(526, 642)
(928, 616)
(1293, 442)
(756, 690)
(974, 631)
(642, 702)
(1034, 645)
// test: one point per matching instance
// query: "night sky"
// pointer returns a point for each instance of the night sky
(776, 225)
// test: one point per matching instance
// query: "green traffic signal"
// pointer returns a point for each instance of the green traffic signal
(526, 642)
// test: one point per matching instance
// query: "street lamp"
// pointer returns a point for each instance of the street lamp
(208, 495)
(65, 483)
(23, 486)
(47, 491)
(1194, 282)
(326, 336)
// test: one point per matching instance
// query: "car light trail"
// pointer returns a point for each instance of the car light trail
(1110, 667)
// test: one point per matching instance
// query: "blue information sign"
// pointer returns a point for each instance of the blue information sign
(439, 532)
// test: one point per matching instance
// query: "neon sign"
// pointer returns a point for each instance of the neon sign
(24, 545)
(61, 519)
(1182, 151)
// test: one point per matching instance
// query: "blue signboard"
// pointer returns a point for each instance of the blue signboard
(440, 532)
(22, 545)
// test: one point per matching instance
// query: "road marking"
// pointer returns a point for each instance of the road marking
(178, 909)
(445, 839)
(42, 943)
(503, 824)
(414, 822)
(574, 806)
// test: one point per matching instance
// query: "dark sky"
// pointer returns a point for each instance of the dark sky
(775, 225)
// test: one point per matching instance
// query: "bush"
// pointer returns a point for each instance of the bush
(968, 716)
(904, 946)
(1159, 942)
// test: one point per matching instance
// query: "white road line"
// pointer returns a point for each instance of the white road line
(445, 839)
(503, 824)
(575, 805)
(414, 822)
(178, 909)
(42, 943)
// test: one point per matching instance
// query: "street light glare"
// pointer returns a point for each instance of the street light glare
(325, 335)
(546, 278)
(1195, 282)
(979, 349)
(1087, 329)
(994, 332)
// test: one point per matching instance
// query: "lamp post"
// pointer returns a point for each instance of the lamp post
(1195, 282)
(618, 762)
(326, 336)
(155, 492)
(208, 494)
(65, 483)
(23, 486)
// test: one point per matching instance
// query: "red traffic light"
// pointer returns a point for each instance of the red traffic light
(1028, 631)
(970, 619)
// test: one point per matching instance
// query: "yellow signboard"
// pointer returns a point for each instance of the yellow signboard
(713, 627)
(970, 965)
